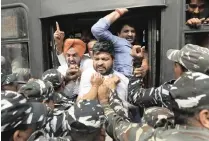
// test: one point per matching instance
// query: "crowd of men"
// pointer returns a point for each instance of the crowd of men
(90, 96)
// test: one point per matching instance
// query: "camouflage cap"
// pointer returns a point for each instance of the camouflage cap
(54, 76)
(15, 110)
(11, 78)
(190, 90)
(37, 90)
(158, 117)
(192, 57)
(88, 113)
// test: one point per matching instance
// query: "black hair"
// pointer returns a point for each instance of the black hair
(104, 46)
(188, 1)
(182, 115)
(8, 135)
(122, 24)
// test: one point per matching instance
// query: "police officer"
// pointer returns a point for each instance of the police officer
(39, 91)
(190, 104)
(62, 101)
(11, 82)
(189, 58)
(20, 118)
(82, 120)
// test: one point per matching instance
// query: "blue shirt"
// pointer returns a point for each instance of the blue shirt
(123, 60)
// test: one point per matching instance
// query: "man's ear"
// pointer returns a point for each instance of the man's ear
(118, 33)
(16, 136)
(21, 135)
(204, 118)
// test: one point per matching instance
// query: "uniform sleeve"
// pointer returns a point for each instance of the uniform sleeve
(122, 129)
(148, 97)
(117, 105)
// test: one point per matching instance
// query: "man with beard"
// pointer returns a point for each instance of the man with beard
(103, 57)
(195, 14)
(70, 53)
(122, 43)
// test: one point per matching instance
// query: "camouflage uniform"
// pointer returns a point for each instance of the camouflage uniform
(37, 90)
(192, 57)
(10, 79)
(189, 91)
(61, 100)
(87, 112)
(54, 76)
(66, 112)
(15, 110)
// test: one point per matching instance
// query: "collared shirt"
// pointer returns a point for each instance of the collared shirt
(123, 60)
(122, 87)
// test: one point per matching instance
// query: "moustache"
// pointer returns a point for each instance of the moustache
(100, 67)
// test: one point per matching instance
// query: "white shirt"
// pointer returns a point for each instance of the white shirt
(122, 87)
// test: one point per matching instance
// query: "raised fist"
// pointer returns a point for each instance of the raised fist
(138, 52)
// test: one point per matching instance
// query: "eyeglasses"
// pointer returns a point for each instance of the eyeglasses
(201, 6)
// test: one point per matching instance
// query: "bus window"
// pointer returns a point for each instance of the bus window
(201, 39)
(14, 41)
(16, 59)
(13, 22)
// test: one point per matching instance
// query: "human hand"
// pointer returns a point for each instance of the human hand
(59, 38)
(206, 21)
(140, 72)
(73, 72)
(195, 21)
(96, 79)
(122, 11)
(138, 51)
(112, 82)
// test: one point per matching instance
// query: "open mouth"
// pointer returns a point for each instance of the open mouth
(72, 63)
(130, 39)
(101, 69)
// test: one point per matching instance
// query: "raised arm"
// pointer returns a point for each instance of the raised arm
(118, 127)
(59, 42)
(148, 97)
(100, 29)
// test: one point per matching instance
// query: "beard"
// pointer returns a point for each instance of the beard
(103, 70)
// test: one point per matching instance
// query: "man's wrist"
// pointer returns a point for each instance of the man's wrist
(119, 12)
(95, 85)
(59, 48)
(104, 101)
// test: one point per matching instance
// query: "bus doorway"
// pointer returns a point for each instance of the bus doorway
(145, 21)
